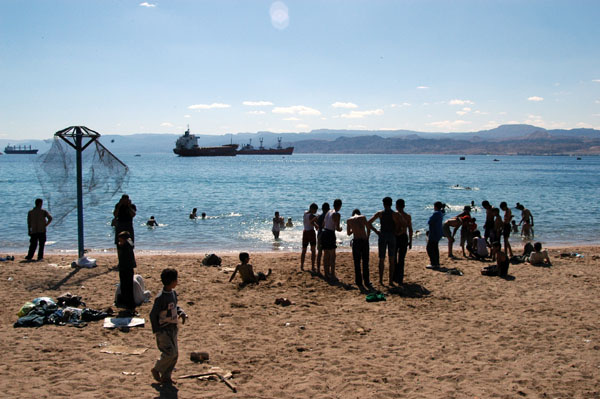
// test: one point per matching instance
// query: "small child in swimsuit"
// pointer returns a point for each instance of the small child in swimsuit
(245, 269)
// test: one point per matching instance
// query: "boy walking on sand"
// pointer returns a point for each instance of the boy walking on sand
(164, 317)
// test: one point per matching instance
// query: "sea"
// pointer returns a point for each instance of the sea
(240, 195)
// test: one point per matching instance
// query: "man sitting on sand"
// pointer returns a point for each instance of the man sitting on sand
(539, 257)
(245, 269)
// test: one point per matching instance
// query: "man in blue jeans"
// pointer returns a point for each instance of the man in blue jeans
(388, 220)
(435, 235)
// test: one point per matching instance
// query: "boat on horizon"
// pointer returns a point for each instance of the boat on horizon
(20, 149)
(248, 149)
(187, 146)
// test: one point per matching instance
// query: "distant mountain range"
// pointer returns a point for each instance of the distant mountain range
(503, 140)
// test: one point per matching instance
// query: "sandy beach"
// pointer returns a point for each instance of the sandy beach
(534, 335)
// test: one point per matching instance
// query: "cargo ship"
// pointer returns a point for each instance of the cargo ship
(187, 146)
(19, 149)
(248, 149)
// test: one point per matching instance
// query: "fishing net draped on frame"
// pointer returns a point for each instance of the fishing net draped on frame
(103, 176)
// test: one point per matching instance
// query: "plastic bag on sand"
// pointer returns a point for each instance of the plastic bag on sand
(84, 261)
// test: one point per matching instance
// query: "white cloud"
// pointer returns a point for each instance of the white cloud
(584, 125)
(400, 105)
(187, 116)
(209, 106)
(596, 80)
(597, 101)
(480, 112)
(291, 118)
(461, 113)
(450, 125)
(460, 102)
(146, 4)
(302, 126)
(166, 124)
(343, 105)
(362, 114)
(358, 127)
(296, 109)
(257, 103)
(280, 18)
(535, 98)
(422, 87)
(595, 114)
(256, 112)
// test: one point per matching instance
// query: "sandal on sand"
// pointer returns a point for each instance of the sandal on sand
(156, 375)
(168, 381)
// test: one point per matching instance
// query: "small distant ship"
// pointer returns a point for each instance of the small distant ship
(249, 150)
(19, 149)
(187, 146)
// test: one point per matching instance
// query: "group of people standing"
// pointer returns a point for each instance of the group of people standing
(497, 230)
(394, 239)
(395, 234)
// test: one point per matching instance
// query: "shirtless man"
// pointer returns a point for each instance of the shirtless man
(309, 236)
(330, 226)
(506, 227)
(320, 224)
(404, 233)
(526, 220)
(455, 223)
(389, 220)
(357, 225)
(488, 226)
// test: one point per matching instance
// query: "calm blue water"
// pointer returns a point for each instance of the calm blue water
(240, 195)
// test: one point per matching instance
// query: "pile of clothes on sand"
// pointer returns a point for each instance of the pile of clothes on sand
(65, 311)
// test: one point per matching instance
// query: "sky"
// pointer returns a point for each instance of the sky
(233, 66)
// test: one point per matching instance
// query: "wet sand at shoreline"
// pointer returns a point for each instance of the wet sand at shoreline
(535, 335)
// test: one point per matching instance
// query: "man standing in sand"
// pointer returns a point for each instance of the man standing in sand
(388, 220)
(488, 226)
(320, 224)
(526, 220)
(404, 233)
(506, 228)
(435, 235)
(309, 236)
(455, 223)
(331, 224)
(357, 225)
(37, 221)
(124, 213)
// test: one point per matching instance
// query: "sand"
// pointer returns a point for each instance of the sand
(447, 336)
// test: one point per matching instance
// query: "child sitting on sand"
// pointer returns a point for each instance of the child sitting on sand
(502, 262)
(539, 257)
(164, 317)
(246, 271)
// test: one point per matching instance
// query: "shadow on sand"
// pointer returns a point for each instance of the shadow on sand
(165, 391)
(410, 290)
